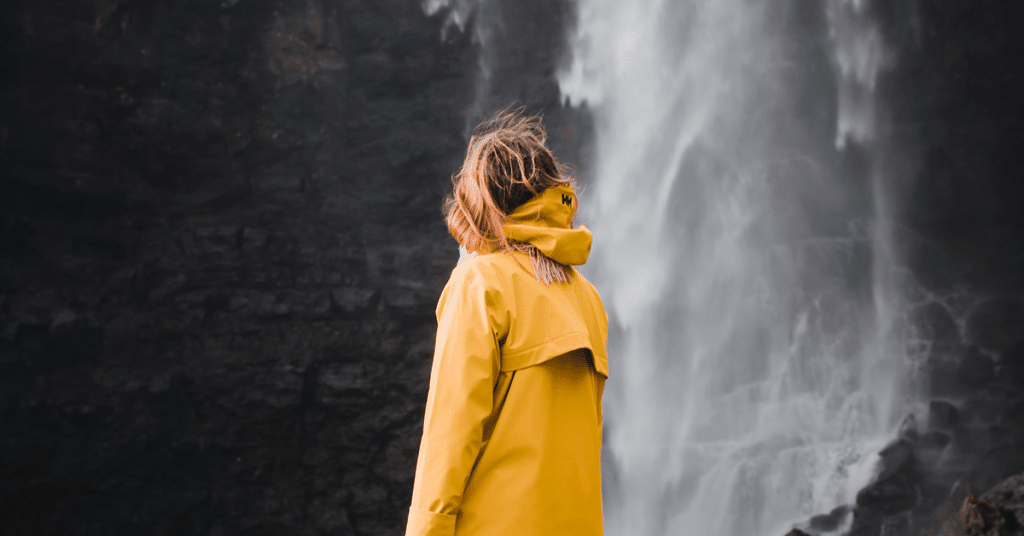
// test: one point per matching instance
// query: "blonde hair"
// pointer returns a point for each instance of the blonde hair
(507, 163)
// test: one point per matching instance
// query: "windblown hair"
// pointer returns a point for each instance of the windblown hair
(507, 163)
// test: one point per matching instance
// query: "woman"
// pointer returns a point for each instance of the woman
(512, 432)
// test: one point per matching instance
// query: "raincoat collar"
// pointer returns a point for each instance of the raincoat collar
(545, 222)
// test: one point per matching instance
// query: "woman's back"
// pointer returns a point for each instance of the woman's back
(512, 430)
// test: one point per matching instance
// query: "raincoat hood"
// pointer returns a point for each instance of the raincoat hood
(545, 222)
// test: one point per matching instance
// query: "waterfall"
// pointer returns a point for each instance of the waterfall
(742, 202)
(743, 245)
(485, 19)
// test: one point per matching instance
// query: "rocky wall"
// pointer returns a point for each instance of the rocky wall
(222, 246)
(956, 112)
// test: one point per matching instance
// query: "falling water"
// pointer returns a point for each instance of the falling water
(743, 246)
(485, 18)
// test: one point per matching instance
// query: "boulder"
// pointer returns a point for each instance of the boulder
(830, 521)
(897, 457)
(890, 496)
(997, 512)
(978, 517)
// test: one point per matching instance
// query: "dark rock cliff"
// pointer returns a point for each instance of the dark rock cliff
(221, 245)
(221, 248)
(221, 251)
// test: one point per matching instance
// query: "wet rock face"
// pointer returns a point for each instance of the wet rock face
(999, 512)
(972, 439)
(970, 130)
(221, 249)
(221, 252)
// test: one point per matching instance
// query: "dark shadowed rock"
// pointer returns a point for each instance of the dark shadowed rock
(933, 440)
(935, 322)
(897, 525)
(976, 368)
(979, 517)
(975, 439)
(949, 507)
(942, 415)
(907, 430)
(831, 521)
(893, 491)
(353, 300)
(897, 457)
(866, 522)
(943, 370)
(1009, 496)
(1012, 361)
(982, 410)
(889, 496)
(994, 325)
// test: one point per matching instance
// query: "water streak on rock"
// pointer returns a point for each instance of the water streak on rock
(743, 248)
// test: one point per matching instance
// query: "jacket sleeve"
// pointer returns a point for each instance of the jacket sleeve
(460, 399)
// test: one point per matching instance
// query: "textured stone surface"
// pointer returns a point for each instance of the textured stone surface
(221, 250)
(998, 512)
(962, 105)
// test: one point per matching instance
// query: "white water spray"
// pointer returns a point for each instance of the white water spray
(756, 356)
(754, 363)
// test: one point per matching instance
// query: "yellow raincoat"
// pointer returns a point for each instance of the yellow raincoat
(512, 432)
